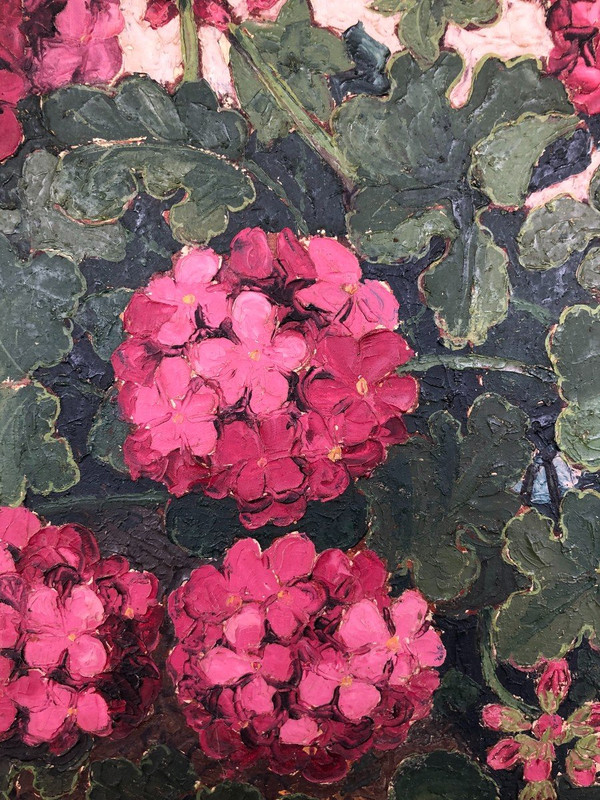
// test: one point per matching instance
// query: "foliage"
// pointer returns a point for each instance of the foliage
(434, 498)
(441, 775)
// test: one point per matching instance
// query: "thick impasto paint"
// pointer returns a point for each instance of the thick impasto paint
(299, 399)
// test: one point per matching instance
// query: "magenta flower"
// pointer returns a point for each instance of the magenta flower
(81, 625)
(53, 709)
(83, 46)
(8, 710)
(235, 385)
(355, 387)
(281, 658)
(167, 309)
(178, 412)
(338, 292)
(535, 742)
(259, 361)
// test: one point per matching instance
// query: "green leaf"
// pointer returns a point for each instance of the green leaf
(301, 55)
(222, 131)
(588, 272)
(163, 774)
(48, 229)
(388, 7)
(467, 305)
(230, 790)
(441, 775)
(433, 498)
(108, 433)
(503, 162)
(420, 30)
(385, 230)
(561, 605)
(424, 22)
(574, 350)
(97, 183)
(31, 454)
(147, 147)
(100, 315)
(413, 157)
(551, 234)
(457, 693)
(37, 298)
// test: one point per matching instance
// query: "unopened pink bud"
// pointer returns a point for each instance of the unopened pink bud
(505, 719)
(553, 685)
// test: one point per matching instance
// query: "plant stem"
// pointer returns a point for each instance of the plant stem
(538, 312)
(316, 136)
(64, 504)
(476, 361)
(189, 40)
(488, 666)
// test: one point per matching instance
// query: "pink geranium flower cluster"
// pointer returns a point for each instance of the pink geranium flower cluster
(303, 661)
(218, 13)
(268, 375)
(575, 57)
(76, 631)
(535, 740)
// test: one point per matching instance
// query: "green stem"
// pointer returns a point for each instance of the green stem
(189, 40)
(278, 190)
(316, 136)
(64, 504)
(476, 361)
(488, 667)
(538, 312)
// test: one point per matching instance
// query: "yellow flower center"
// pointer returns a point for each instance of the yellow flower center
(362, 387)
(128, 612)
(350, 288)
(71, 637)
(335, 454)
(393, 643)
(71, 712)
(189, 299)
(346, 681)
(178, 418)
(254, 355)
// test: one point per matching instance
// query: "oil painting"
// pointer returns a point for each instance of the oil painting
(300, 399)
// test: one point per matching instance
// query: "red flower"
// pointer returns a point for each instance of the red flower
(14, 84)
(575, 27)
(239, 382)
(218, 13)
(274, 662)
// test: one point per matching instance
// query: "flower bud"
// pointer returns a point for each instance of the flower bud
(580, 769)
(505, 719)
(540, 790)
(553, 685)
(504, 754)
(585, 720)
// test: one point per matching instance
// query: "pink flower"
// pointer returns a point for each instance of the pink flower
(178, 412)
(502, 718)
(167, 309)
(504, 754)
(14, 85)
(355, 389)
(553, 685)
(83, 47)
(218, 13)
(8, 710)
(235, 387)
(358, 306)
(260, 470)
(575, 27)
(276, 662)
(53, 709)
(65, 625)
(259, 361)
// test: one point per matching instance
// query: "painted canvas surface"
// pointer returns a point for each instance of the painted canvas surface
(299, 399)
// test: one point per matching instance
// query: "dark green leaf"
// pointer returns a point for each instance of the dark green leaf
(230, 790)
(412, 155)
(100, 315)
(37, 298)
(210, 128)
(457, 693)
(588, 272)
(48, 229)
(31, 454)
(561, 605)
(574, 349)
(434, 497)
(163, 774)
(441, 776)
(107, 434)
(551, 234)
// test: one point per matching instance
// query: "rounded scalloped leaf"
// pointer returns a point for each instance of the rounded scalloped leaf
(441, 775)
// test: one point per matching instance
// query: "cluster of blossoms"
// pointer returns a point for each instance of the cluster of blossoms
(76, 631)
(575, 57)
(535, 740)
(218, 13)
(301, 660)
(268, 375)
(46, 44)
